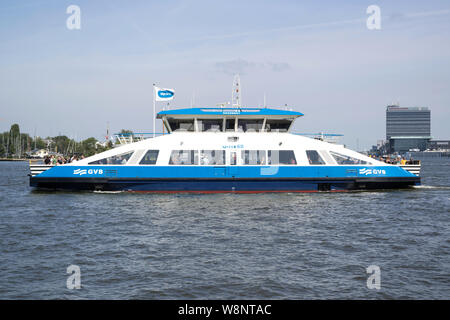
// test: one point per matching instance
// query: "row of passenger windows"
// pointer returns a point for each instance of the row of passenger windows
(243, 125)
(315, 158)
(274, 157)
(116, 160)
(217, 157)
(149, 158)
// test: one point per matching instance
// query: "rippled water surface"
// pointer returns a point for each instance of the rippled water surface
(225, 246)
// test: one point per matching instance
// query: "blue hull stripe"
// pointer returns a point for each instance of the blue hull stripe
(223, 179)
(269, 172)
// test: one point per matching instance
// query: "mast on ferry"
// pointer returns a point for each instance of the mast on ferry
(236, 100)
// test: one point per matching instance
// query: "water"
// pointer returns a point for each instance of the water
(225, 246)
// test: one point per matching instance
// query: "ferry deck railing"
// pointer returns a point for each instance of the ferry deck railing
(411, 166)
(327, 137)
(125, 138)
(37, 168)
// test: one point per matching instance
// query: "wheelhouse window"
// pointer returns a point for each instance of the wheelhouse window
(253, 157)
(212, 157)
(314, 158)
(181, 124)
(229, 125)
(343, 159)
(210, 125)
(248, 125)
(285, 157)
(119, 159)
(150, 157)
(275, 125)
(183, 157)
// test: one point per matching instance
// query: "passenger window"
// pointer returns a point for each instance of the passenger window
(233, 158)
(210, 125)
(212, 157)
(183, 157)
(281, 157)
(253, 157)
(250, 125)
(343, 159)
(150, 157)
(119, 159)
(314, 158)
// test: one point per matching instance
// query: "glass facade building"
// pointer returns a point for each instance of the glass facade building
(407, 128)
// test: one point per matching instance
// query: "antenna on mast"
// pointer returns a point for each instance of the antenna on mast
(236, 100)
(193, 99)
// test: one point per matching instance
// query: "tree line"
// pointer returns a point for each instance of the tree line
(14, 144)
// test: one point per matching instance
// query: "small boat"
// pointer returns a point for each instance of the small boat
(226, 149)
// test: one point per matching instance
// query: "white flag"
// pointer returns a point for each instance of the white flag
(164, 94)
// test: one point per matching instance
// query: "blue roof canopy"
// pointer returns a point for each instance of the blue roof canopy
(229, 112)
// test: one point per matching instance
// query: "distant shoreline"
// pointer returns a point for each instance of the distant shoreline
(20, 159)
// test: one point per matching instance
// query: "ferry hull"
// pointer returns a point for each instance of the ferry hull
(202, 185)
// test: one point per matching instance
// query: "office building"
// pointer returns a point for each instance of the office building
(407, 129)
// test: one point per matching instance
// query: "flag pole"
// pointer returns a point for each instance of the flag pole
(154, 111)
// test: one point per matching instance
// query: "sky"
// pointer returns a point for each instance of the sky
(318, 57)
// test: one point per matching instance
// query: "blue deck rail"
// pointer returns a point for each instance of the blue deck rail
(130, 137)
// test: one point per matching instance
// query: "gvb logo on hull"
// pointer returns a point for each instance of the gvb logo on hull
(81, 172)
(367, 171)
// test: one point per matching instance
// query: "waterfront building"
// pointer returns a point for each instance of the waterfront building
(407, 129)
(438, 145)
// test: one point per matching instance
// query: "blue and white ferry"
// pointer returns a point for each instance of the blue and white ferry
(229, 149)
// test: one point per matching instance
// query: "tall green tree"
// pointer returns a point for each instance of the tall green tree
(61, 144)
(15, 130)
(14, 141)
(2, 150)
(39, 142)
(26, 142)
(88, 147)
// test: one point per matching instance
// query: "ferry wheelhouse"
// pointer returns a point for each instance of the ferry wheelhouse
(226, 150)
